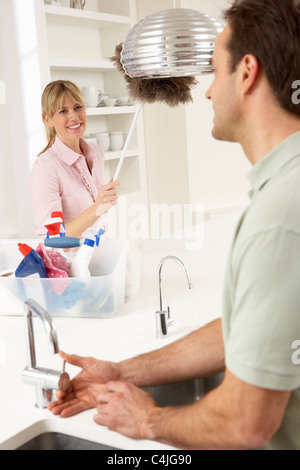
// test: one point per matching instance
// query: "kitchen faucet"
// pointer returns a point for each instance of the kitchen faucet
(163, 317)
(45, 380)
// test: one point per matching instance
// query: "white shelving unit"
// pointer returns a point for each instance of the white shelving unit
(105, 110)
(86, 18)
(78, 47)
(65, 64)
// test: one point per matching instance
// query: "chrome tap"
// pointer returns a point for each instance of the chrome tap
(163, 317)
(45, 380)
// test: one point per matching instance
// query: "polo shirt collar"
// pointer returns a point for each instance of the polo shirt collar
(67, 155)
(271, 164)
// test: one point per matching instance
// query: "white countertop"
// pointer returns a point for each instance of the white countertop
(130, 332)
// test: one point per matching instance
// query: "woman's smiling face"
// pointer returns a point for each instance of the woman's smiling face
(69, 122)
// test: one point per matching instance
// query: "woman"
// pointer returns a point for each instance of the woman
(68, 175)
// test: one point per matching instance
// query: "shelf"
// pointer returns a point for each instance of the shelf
(116, 155)
(84, 18)
(71, 64)
(85, 59)
(104, 110)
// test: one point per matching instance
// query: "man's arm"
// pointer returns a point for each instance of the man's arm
(236, 415)
(199, 354)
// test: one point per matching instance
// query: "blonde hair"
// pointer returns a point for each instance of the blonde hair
(52, 100)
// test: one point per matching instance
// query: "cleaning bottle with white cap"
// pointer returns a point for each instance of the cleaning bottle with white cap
(80, 264)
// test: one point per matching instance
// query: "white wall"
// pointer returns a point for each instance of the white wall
(22, 133)
(185, 164)
(165, 136)
(217, 170)
(8, 226)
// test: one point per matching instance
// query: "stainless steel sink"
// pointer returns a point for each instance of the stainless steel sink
(211, 382)
(184, 393)
(59, 441)
(166, 395)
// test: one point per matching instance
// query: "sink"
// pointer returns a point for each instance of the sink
(59, 441)
(211, 382)
(184, 393)
(181, 393)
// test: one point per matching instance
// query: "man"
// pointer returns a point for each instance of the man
(256, 60)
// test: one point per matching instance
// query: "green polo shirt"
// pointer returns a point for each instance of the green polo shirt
(261, 305)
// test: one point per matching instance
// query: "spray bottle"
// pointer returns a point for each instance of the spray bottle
(32, 264)
(62, 227)
(53, 227)
(80, 264)
(56, 228)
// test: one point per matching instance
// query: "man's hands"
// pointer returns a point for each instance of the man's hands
(85, 387)
(121, 406)
(126, 409)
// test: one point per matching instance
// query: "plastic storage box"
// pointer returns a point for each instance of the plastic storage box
(115, 278)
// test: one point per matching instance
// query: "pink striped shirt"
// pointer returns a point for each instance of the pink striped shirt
(61, 181)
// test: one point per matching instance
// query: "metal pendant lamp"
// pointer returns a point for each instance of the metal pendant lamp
(177, 42)
(161, 56)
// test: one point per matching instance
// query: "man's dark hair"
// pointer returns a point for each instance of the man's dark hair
(270, 30)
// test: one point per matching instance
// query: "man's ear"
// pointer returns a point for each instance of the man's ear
(249, 71)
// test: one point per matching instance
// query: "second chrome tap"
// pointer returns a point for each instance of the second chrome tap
(163, 317)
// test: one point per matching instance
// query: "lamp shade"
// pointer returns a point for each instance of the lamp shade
(176, 42)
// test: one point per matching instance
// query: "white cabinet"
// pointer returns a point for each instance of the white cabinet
(79, 46)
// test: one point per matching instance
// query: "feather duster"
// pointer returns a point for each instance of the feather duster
(171, 91)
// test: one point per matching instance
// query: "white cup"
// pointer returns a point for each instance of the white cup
(110, 101)
(116, 140)
(90, 138)
(92, 96)
(104, 97)
(122, 100)
(103, 140)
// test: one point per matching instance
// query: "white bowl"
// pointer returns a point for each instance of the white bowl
(116, 140)
(103, 140)
(123, 100)
(110, 101)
